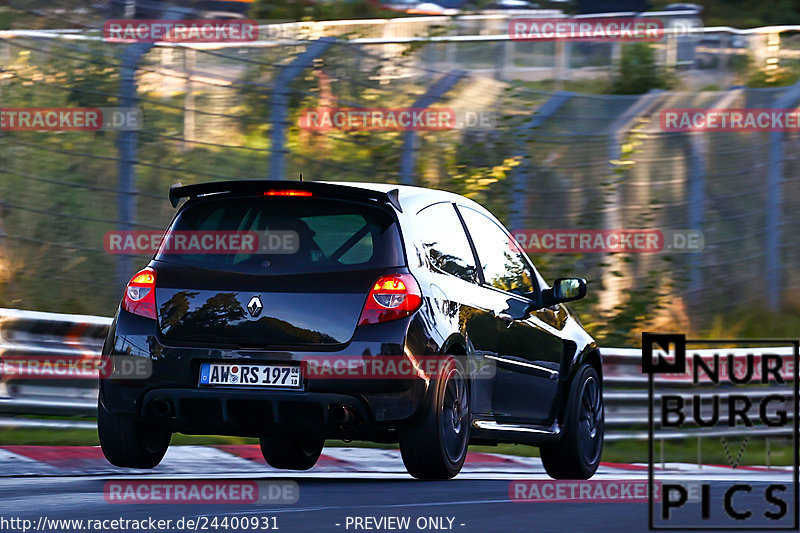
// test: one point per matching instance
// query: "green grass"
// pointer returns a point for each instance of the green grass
(684, 451)
(83, 437)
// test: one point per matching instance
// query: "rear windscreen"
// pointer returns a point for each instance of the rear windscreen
(282, 236)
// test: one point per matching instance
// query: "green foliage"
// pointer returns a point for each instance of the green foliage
(639, 72)
(755, 322)
(751, 75)
(6, 18)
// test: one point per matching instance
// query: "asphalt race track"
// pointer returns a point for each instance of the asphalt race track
(350, 490)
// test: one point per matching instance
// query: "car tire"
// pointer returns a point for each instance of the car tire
(291, 454)
(434, 446)
(128, 443)
(577, 454)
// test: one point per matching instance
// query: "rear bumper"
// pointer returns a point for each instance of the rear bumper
(256, 413)
(344, 408)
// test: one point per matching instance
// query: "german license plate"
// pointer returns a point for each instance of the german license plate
(248, 375)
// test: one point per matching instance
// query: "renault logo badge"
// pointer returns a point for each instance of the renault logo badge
(255, 306)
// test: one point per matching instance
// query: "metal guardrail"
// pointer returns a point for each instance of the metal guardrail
(32, 403)
(31, 333)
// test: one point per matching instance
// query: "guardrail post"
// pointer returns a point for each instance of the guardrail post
(279, 103)
(768, 453)
(772, 238)
(699, 452)
(408, 155)
(519, 174)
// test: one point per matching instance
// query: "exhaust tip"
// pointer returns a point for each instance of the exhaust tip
(161, 408)
(343, 414)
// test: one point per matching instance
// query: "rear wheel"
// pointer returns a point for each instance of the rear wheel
(291, 454)
(129, 443)
(577, 455)
(435, 445)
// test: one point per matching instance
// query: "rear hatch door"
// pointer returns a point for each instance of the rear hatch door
(302, 285)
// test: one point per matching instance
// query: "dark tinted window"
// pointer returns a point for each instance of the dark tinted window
(445, 242)
(502, 262)
(321, 235)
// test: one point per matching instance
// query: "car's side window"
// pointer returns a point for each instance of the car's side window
(502, 262)
(445, 242)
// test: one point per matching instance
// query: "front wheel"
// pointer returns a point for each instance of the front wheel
(291, 453)
(435, 445)
(577, 455)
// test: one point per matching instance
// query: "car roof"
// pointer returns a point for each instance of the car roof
(412, 198)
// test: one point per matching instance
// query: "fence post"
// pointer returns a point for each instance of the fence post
(561, 64)
(3, 241)
(130, 9)
(127, 145)
(772, 238)
(520, 173)
(612, 211)
(698, 151)
(408, 155)
(279, 103)
(505, 59)
(4, 265)
(189, 115)
(698, 154)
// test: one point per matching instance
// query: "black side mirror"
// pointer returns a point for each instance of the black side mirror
(564, 290)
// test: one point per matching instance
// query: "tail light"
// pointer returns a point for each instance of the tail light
(390, 298)
(140, 294)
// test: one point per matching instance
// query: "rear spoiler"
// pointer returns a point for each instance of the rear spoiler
(178, 191)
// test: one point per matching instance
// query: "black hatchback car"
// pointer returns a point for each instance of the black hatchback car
(366, 311)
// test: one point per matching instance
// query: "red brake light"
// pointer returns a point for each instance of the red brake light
(288, 193)
(391, 297)
(140, 294)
